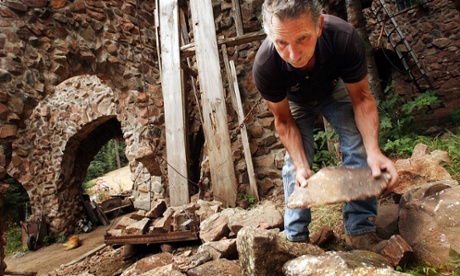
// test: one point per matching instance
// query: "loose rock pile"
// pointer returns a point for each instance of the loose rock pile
(235, 241)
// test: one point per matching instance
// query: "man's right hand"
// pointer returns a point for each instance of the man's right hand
(302, 176)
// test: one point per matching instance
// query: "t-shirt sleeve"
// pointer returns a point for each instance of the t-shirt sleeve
(353, 63)
(268, 77)
(268, 84)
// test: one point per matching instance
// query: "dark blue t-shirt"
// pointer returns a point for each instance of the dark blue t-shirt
(339, 53)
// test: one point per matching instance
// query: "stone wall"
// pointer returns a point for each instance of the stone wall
(74, 75)
(433, 32)
(3, 190)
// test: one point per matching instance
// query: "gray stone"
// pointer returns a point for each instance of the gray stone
(216, 267)
(149, 263)
(157, 209)
(137, 228)
(143, 204)
(214, 228)
(356, 263)
(263, 252)
(223, 249)
(429, 221)
(265, 215)
(184, 264)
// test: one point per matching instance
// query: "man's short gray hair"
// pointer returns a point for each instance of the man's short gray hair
(289, 9)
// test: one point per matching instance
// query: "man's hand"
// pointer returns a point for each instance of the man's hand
(378, 163)
(301, 177)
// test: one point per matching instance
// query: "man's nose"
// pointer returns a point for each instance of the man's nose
(294, 53)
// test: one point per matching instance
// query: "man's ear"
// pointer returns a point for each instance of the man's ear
(320, 26)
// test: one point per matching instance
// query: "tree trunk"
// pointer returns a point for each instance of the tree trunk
(356, 18)
(117, 155)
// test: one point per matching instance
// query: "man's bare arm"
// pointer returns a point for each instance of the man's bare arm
(291, 139)
(367, 120)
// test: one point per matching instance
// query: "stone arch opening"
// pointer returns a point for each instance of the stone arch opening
(16, 206)
(65, 131)
(84, 145)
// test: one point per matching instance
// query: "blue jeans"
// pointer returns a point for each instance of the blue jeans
(338, 110)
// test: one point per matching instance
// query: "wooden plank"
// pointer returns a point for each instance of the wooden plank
(185, 40)
(238, 17)
(189, 49)
(174, 104)
(215, 128)
(87, 254)
(91, 213)
(157, 32)
(101, 215)
(244, 135)
(228, 70)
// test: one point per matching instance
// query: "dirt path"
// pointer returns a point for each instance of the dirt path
(52, 257)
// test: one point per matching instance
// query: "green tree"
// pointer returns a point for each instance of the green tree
(106, 160)
(15, 202)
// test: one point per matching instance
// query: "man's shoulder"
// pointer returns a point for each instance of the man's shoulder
(334, 24)
(265, 53)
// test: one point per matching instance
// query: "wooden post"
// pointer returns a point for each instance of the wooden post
(215, 128)
(174, 104)
(229, 76)
(238, 17)
(244, 135)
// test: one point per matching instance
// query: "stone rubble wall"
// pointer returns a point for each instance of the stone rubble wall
(67, 69)
(433, 31)
(3, 190)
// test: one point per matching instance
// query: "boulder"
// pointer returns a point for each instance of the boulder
(356, 263)
(429, 221)
(263, 252)
(423, 167)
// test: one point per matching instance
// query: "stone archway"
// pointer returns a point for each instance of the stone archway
(63, 134)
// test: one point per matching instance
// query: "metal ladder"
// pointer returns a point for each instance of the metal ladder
(399, 43)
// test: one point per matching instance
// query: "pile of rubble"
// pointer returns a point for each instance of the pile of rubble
(235, 241)
(159, 225)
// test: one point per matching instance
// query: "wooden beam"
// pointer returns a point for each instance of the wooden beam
(193, 74)
(157, 32)
(215, 127)
(244, 135)
(238, 17)
(174, 104)
(228, 70)
(189, 49)
(188, 70)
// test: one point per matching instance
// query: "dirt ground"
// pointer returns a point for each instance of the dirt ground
(52, 257)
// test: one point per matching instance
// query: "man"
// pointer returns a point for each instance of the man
(312, 63)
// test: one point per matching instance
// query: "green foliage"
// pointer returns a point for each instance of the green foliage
(323, 157)
(88, 185)
(251, 200)
(15, 201)
(61, 239)
(13, 239)
(397, 126)
(452, 267)
(105, 160)
(455, 116)
(449, 142)
(454, 262)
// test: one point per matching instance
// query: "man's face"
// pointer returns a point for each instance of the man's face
(295, 39)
